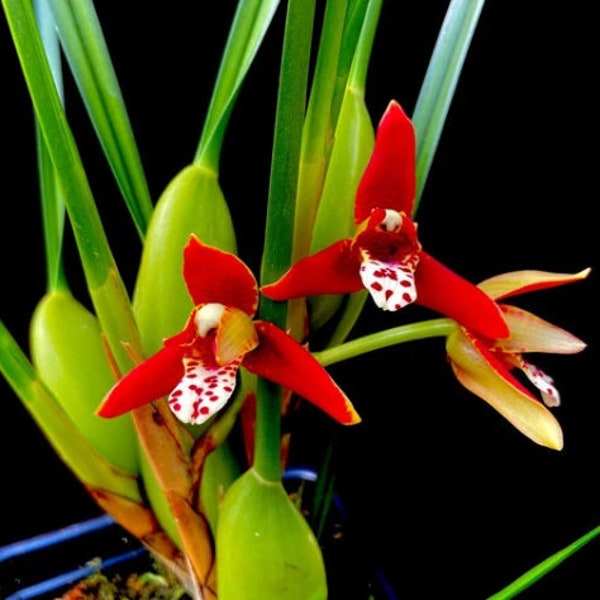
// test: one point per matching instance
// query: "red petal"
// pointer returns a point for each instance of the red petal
(444, 291)
(281, 359)
(389, 180)
(333, 270)
(213, 275)
(150, 380)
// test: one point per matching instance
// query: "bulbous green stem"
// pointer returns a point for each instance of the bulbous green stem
(385, 338)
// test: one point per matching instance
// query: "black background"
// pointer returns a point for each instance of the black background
(443, 493)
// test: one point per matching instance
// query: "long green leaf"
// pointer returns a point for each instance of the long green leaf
(53, 208)
(250, 24)
(355, 16)
(107, 290)
(440, 82)
(287, 145)
(88, 56)
(277, 253)
(317, 127)
(530, 577)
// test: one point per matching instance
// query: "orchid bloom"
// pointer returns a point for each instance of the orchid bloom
(198, 367)
(385, 256)
(485, 366)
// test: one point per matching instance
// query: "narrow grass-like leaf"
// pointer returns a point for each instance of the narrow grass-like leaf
(53, 217)
(355, 15)
(316, 140)
(107, 290)
(440, 82)
(287, 144)
(53, 208)
(277, 253)
(324, 489)
(84, 45)
(530, 577)
(250, 24)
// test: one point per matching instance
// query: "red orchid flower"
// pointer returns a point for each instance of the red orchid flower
(486, 366)
(198, 367)
(385, 256)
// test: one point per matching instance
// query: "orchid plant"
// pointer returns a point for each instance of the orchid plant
(170, 401)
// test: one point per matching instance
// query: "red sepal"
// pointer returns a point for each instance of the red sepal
(444, 291)
(149, 381)
(389, 181)
(281, 359)
(500, 367)
(333, 270)
(216, 276)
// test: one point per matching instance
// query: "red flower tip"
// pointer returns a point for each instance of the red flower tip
(389, 181)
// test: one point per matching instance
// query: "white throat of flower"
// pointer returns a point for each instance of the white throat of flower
(208, 317)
